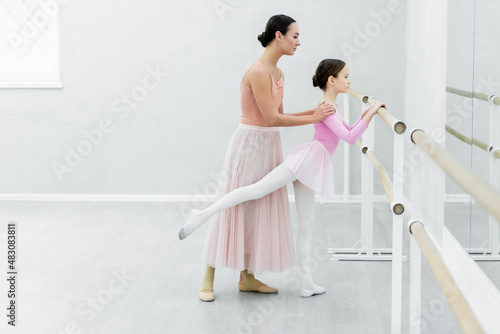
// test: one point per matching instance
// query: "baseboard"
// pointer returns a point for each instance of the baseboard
(450, 198)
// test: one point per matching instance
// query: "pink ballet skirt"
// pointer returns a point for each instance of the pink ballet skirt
(254, 235)
(312, 165)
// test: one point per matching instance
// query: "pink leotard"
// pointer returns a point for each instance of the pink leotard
(334, 127)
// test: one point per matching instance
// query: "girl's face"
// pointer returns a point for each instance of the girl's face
(341, 82)
(289, 42)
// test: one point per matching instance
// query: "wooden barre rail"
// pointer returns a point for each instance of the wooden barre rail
(398, 208)
(459, 306)
(488, 197)
(397, 125)
(481, 96)
(474, 141)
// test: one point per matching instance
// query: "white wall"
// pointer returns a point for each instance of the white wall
(174, 141)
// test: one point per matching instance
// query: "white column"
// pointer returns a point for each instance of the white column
(425, 108)
(425, 103)
(367, 190)
(415, 286)
(397, 235)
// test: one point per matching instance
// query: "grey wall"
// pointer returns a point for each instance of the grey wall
(174, 139)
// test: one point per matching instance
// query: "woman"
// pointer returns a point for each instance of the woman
(308, 166)
(243, 237)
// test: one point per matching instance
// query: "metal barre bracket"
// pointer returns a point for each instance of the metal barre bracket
(412, 132)
(397, 208)
(412, 221)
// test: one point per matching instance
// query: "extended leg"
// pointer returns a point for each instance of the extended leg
(277, 178)
(304, 201)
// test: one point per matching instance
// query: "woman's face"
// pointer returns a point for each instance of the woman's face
(342, 82)
(289, 42)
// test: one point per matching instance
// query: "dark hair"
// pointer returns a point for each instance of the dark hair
(279, 23)
(325, 69)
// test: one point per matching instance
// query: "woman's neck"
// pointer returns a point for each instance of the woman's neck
(270, 57)
(330, 96)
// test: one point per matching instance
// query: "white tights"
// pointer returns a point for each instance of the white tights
(304, 202)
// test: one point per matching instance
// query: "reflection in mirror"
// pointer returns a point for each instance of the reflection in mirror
(459, 108)
(486, 131)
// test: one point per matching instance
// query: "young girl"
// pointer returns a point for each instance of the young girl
(308, 166)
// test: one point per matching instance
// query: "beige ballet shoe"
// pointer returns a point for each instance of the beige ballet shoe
(263, 288)
(207, 295)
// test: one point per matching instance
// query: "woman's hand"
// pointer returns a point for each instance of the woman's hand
(322, 111)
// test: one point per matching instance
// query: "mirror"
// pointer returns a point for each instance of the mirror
(459, 111)
(486, 130)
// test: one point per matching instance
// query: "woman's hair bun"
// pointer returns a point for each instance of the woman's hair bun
(315, 81)
(261, 38)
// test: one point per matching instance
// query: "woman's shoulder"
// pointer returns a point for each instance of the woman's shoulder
(257, 73)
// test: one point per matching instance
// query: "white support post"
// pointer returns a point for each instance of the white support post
(415, 286)
(397, 235)
(367, 191)
(494, 175)
(347, 168)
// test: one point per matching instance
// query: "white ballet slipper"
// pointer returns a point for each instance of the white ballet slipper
(191, 225)
(317, 290)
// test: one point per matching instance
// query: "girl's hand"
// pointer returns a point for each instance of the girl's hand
(376, 105)
(322, 111)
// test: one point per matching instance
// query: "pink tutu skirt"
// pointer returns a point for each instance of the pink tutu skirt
(255, 235)
(312, 165)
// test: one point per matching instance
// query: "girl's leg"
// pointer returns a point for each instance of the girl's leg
(277, 178)
(304, 202)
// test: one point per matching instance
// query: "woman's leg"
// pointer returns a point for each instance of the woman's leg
(277, 178)
(304, 202)
(207, 285)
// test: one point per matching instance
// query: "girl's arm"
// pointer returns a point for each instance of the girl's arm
(261, 86)
(352, 134)
(349, 127)
(348, 135)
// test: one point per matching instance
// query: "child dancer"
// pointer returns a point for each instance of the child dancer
(308, 166)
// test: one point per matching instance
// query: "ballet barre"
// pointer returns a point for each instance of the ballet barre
(363, 249)
(459, 306)
(492, 251)
(474, 141)
(480, 96)
(398, 208)
(470, 182)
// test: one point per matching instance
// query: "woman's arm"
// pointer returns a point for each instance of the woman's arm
(304, 113)
(261, 86)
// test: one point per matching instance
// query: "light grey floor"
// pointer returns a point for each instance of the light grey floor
(110, 267)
